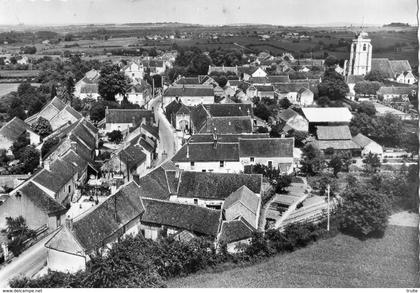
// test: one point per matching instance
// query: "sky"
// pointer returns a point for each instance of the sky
(209, 12)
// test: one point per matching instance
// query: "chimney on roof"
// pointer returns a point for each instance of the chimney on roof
(69, 223)
(47, 165)
(73, 146)
(214, 139)
(188, 150)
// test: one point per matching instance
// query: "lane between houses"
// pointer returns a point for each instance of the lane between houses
(27, 264)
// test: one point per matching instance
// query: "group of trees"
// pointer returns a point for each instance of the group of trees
(386, 129)
(278, 181)
(333, 87)
(17, 233)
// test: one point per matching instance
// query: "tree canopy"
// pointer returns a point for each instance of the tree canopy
(112, 82)
(333, 85)
(365, 211)
(42, 126)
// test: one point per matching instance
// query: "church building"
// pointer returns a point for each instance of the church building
(360, 55)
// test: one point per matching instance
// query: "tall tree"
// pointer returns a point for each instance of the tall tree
(312, 160)
(16, 109)
(365, 211)
(112, 82)
(42, 126)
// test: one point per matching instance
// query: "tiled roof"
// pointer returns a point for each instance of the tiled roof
(128, 115)
(68, 114)
(205, 152)
(89, 88)
(224, 110)
(188, 80)
(278, 78)
(153, 130)
(139, 87)
(362, 140)
(341, 114)
(111, 215)
(226, 138)
(78, 162)
(64, 240)
(132, 156)
(41, 199)
(285, 115)
(383, 65)
(266, 147)
(290, 87)
(14, 128)
(57, 177)
(247, 69)
(235, 230)
(146, 145)
(393, 90)
(400, 66)
(259, 80)
(226, 125)
(155, 185)
(199, 116)
(333, 132)
(193, 218)
(337, 144)
(264, 88)
(223, 69)
(186, 91)
(216, 185)
(245, 196)
(355, 78)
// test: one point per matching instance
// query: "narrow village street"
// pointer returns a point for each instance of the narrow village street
(27, 264)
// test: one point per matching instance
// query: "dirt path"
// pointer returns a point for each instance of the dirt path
(405, 219)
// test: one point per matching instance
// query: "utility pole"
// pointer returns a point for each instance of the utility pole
(328, 207)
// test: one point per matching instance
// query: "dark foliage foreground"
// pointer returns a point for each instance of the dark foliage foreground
(139, 262)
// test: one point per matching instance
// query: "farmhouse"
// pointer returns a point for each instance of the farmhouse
(326, 116)
(87, 87)
(390, 92)
(57, 113)
(70, 248)
(212, 189)
(35, 205)
(243, 203)
(236, 233)
(166, 218)
(12, 130)
(134, 70)
(139, 93)
(189, 95)
(337, 138)
(292, 121)
(124, 119)
(271, 152)
(368, 145)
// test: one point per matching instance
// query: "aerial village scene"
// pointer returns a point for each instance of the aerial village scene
(164, 153)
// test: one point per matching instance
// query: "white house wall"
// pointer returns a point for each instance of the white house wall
(229, 167)
(65, 262)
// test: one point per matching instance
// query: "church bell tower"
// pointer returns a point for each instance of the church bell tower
(360, 55)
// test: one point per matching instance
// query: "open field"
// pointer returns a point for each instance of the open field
(342, 261)
(6, 88)
(393, 43)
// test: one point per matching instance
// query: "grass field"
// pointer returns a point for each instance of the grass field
(6, 88)
(342, 261)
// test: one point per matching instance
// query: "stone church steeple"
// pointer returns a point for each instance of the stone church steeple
(360, 62)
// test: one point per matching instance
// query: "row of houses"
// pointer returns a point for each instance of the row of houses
(166, 202)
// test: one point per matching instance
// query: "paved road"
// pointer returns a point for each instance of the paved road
(168, 141)
(27, 264)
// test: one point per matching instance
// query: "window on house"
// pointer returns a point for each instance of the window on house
(192, 164)
(222, 163)
(251, 159)
(203, 170)
(69, 188)
(195, 201)
(364, 47)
